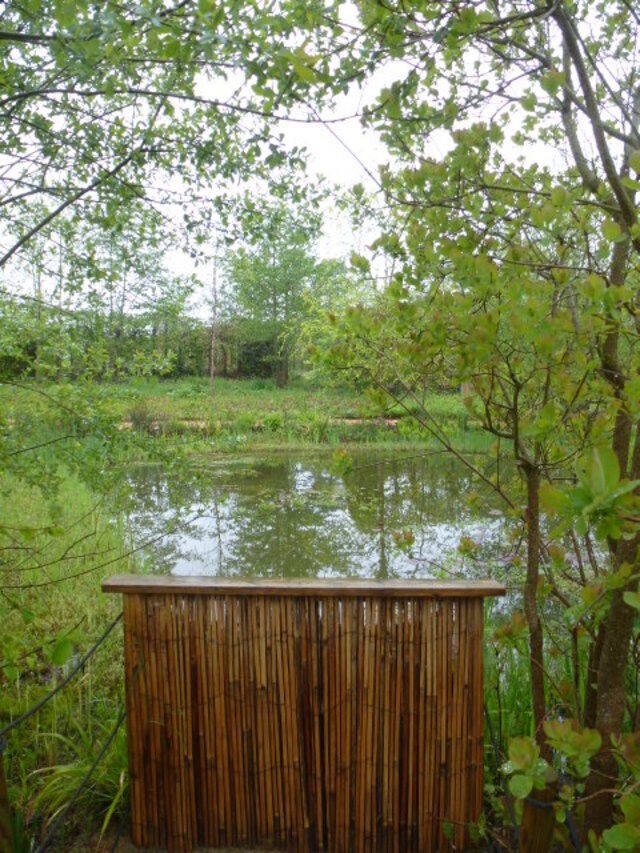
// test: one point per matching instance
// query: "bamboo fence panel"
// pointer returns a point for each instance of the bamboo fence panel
(321, 716)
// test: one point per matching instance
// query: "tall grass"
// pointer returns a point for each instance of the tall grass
(56, 548)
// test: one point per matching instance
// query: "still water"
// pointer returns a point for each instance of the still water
(293, 516)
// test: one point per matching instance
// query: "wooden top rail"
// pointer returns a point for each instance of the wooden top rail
(324, 587)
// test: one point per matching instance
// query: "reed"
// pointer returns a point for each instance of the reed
(337, 715)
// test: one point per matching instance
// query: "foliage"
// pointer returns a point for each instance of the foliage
(268, 279)
(107, 790)
(625, 835)
(107, 100)
(516, 280)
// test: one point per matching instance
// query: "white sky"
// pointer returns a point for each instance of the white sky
(343, 152)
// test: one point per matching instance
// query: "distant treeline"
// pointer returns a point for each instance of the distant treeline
(40, 340)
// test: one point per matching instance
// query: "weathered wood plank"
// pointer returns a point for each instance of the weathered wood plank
(327, 588)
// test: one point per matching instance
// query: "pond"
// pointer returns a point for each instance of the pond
(291, 515)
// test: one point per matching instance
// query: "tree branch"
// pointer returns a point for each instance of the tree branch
(627, 209)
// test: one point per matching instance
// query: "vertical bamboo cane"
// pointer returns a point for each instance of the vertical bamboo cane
(251, 665)
(294, 722)
(240, 833)
(226, 780)
(340, 725)
(155, 729)
(396, 719)
(387, 751)
(202, 697)
(409, 774)
(274, 725)
(434, 710)
(244, 708)
(316, 699)
(477, 702)
(283, 705)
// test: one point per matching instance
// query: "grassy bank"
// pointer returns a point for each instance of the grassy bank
(238, 415)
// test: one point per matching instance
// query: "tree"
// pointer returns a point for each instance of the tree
(101, 302)
(518, 278)
(100, 103)
(269, 278)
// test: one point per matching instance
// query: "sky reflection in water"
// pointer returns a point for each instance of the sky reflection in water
(289, 516)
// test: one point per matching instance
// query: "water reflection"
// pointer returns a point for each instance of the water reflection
(290, 516)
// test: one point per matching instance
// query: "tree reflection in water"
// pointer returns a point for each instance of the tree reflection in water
(289, 516)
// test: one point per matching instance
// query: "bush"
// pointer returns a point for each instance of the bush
(140, 416)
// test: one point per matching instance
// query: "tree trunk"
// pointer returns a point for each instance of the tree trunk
(610, 716)
(538, 818)
(214, 317)
(591, 687)
(536, 640)
(616, 630)
(282, 371)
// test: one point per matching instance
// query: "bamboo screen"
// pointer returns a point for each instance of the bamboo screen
(323, 716)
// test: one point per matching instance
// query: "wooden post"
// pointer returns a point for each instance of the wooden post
(539, 818)
(6, 838)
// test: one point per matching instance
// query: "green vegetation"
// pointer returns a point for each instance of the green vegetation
(505, 267)
(55, 554)
(240, 413)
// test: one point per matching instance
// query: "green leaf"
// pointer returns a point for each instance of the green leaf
(577, 744)
(360, 263)
(632, 599)
(552, 80)
(62, 652)
(631, 184)
(27, 615)
(304, 72)
(611, 231)
(630, 807)
(634, 161)
(523, 752)
(624, 836)
(601, 472)
(547, 417)
(66, 14)
(114, 805)
(520, 786)
(553, 499)
(595, 287)
(393, 103)
(559, 197)
(10, 671)
(441, 34)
